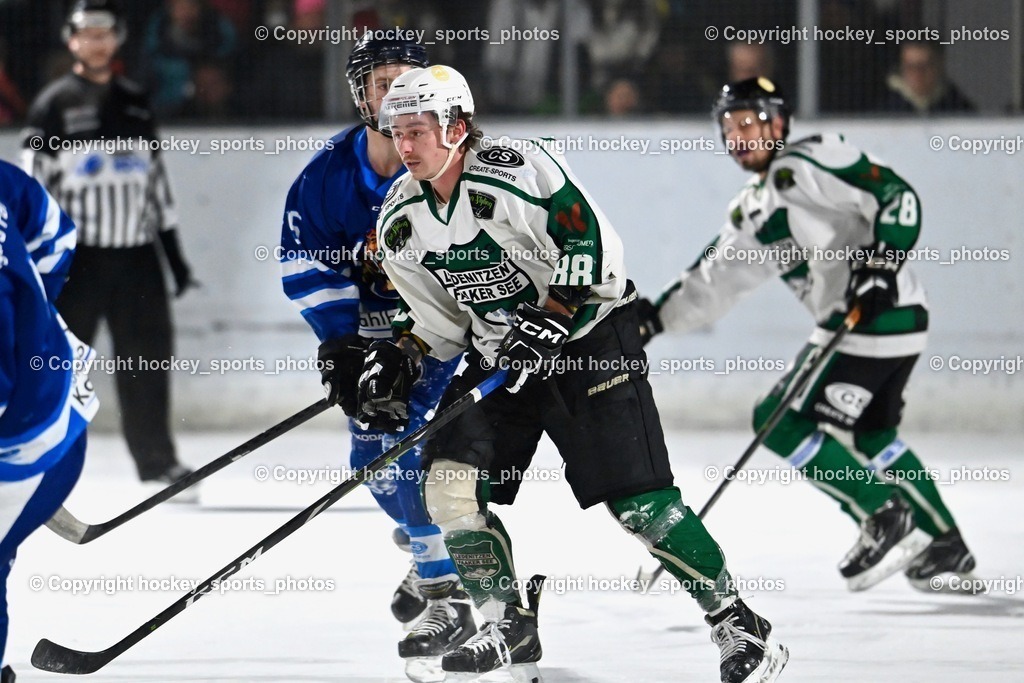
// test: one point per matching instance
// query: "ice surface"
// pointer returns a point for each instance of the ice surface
(773, 531)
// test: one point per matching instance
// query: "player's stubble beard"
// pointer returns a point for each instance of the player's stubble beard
(99, 70)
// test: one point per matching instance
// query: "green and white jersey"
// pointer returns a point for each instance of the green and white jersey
(514, 225)
(823, 205)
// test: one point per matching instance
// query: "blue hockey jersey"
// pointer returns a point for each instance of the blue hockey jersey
(323, 237)
(44, 406)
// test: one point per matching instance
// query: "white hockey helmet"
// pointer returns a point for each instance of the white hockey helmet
(438, 89)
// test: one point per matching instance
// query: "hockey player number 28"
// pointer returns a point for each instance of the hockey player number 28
(906, 204)
(575, 270)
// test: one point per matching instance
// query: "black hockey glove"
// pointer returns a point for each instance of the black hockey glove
(650, 320)
(872, 288)
(180, 269)
(384, 387)
(532, 345)
(341, 362)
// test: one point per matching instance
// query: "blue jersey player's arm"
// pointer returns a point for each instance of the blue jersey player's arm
(49, 234)
(6, 343)
(327, 296)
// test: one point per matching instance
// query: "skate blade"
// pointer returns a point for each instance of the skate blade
(901, 554)
(949, 583)
(517, 673)
(775, 657)
(424, 669)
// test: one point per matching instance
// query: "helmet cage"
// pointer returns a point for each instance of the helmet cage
(369, 55)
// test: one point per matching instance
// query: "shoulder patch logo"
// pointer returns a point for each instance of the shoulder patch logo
(736, 217)
(784, 179)
(398, 233)
(482, 204)
(573, 221)
(501, 156)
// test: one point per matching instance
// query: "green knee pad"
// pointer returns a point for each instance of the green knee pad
(483, 558)
(676, 537)
(791, 430)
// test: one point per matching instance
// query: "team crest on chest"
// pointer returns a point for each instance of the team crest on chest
(479, 274)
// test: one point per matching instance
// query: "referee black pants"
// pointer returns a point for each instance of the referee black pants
(125, 287)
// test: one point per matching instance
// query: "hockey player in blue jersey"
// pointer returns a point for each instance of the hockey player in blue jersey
(328, 238)
(45, 400)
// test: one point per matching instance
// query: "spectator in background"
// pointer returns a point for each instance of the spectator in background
(521, 74)
(623, 38)
(749, 60)
(622, 98)
(921, 85)
(213, 99)
(181, 34)
(12, 106)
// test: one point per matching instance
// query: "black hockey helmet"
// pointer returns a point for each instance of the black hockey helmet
(369, 53)
(759, 94)
(94, 14)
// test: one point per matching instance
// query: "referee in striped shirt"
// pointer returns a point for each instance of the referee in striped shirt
(86, 142)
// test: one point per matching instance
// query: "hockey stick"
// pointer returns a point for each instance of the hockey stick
(67, 526)
(50, 656)
(766, 429)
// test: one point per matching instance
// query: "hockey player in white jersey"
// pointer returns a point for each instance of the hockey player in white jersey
(505, 256)
(836, 225)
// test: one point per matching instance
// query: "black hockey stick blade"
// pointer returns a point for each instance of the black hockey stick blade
(852, 318)
(50, 656)
(69, 527)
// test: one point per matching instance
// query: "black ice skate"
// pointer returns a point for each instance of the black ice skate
(510, 642)
(748, 653)
(889, 539)
(407, 603)
(7, 675)
(946, 557)
(447, 623)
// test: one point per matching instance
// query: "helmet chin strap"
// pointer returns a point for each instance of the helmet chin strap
(452, 148)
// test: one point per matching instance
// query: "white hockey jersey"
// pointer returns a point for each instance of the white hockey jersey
(823, 205)
(514, 226)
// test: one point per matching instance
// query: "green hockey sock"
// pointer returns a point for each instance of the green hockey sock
(893, 462)
(833, 469)
(826, 462)
(676, 537)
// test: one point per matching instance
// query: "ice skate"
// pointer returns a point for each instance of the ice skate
(889, 539)
(7, 675)
(447, 623)
(748, 652)
(509, 642)
(945, 566)
(407, 603)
